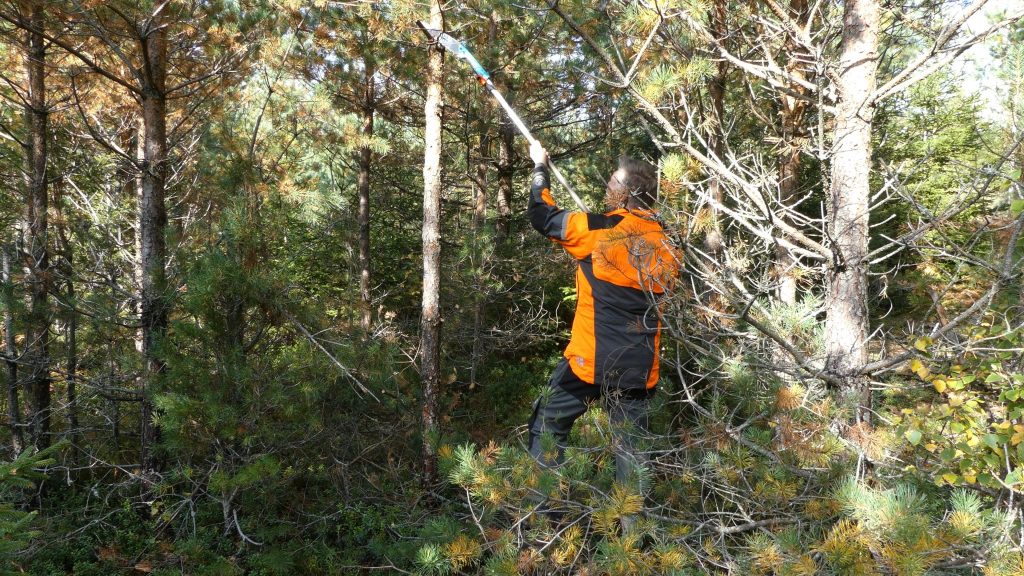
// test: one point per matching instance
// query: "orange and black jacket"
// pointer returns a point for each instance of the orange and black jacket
(624, 265)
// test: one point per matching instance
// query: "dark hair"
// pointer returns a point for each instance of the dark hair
(634, 184)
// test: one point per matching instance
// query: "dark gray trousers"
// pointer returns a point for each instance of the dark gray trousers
(568, 397)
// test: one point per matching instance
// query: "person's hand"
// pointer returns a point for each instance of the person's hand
(538, 153)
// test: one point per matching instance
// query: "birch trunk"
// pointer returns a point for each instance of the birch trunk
(849, 196)
(430, 326)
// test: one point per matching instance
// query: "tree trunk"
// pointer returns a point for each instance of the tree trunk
(430, 326)
(11, 352)
(153, 223)
(716, 90)
(506, 170)
(481, 250)
(480, 182)
(67, 250)
(363, 186)
(135, 139)
(37, 255)
(112, 344)
(793, 111)
(484, 159)
(72, 348)
(484, 143)
(847, 324)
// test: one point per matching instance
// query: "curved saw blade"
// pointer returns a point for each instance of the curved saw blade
(457, 48)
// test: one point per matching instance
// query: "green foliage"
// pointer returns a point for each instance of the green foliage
(969, 431)
(662, 80)
(274, 457)
(17, 526)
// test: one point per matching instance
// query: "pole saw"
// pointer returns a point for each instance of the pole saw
(459, 50)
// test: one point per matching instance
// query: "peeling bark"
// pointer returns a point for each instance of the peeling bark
(430, 322)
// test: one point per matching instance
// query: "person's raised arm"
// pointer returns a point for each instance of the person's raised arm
(545, 216)
(569, 229)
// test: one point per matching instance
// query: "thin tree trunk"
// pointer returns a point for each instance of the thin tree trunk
(115, 423)
(37, 255)
(152, 224)
(72, 351)
(479, 219)
(847, 323)
(793, 112)
(112, 344)
(135, 139)
(71, 316)
(430, 327)
(484, 145)
(480, 182)
(11, 352)
(506, 171)
(363, 186)
(716, 89)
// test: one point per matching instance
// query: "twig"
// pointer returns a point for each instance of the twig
(344, 370)
(238, 528)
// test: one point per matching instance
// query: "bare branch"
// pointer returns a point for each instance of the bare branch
(923, 66)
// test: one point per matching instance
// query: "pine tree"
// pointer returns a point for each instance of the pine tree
(849, 199)
(430, 320)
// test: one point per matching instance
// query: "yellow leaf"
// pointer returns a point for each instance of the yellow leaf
(1001, 426)
(940, 385)
(919, 368)
(949, 477)
(931, 446)
(922, 343)
(1018, 434)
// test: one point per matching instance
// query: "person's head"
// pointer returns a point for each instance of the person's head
(633, 185)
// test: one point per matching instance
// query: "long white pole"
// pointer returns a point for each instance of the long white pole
(529, 137)
(459, 49)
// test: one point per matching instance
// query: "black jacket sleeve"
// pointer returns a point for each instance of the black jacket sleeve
(545, 216)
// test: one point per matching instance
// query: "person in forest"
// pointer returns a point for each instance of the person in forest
(624, 265)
